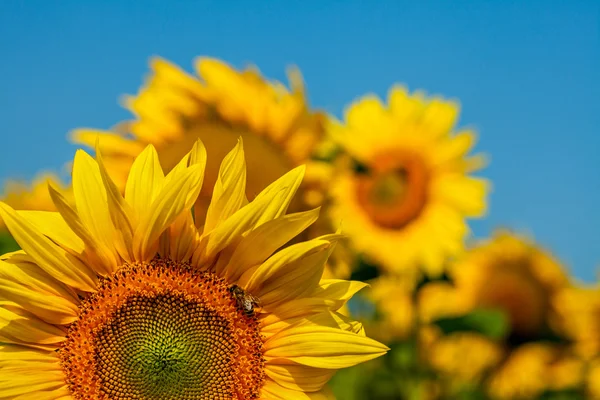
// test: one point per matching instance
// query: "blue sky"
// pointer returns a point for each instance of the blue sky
(527, 75)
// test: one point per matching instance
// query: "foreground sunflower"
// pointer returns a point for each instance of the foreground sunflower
(174, 109)
(133, 297)
(404, 189)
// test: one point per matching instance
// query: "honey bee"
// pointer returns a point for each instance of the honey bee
(245, 301)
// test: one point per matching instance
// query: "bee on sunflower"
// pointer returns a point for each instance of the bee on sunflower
(131, 295)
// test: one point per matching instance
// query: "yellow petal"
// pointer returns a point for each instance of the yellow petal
(91, 202)
(145, 180)
(21, 353)
(299, 377)
(170, 203)
(260, 243)
(110, 143)
(232, 229)
(18, 326)
(465, 193)
(62, 393)
(179, 242)
(229, 193)
(454, 148)
(99, 260)
(321, 347)
(50, 257)
(285, 315)
(196, 156)
(54, 226)
(48, 307)
(338, 291)
(289, 273)
(175, 76)
(274, 391)
(289, 184)
(28, 385)
(120, 213)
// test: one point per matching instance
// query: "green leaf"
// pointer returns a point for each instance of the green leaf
(7, 243)
(568, 394)
(492, 323)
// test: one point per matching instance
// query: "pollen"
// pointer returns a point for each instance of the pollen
(163, 330)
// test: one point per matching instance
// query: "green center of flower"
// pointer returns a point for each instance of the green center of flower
(162, 349)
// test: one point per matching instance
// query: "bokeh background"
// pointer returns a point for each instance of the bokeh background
(526, 73)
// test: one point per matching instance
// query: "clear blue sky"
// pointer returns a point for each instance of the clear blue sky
(528, 77)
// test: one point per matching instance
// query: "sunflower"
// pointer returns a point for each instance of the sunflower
(403, 187)
(34, 196)
(135, 297)
(579, 309)
(462, 356)
(526, 280)
(174, 109)
(393, 299)
(511, 275)
(593, 380)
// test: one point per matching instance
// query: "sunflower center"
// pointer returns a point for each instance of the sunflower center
(519, 294)
(393, 191)
(163, 331)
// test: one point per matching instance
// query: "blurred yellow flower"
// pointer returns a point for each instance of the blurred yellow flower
(511, 274)
(174, 109)
(524, 374)
(463, 356)
(579, 308)
(404, 188)
(593, 380)
(514, 275)
(565, 371)
(393, 298)
(439, 300)
(34, 196)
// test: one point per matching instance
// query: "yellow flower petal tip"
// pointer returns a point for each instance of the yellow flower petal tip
(136, 296)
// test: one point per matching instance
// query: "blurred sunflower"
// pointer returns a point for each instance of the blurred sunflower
(404, 187)
(503, 294)
(34, 196)
(464, 357)
(524, 374)
(593, 380)
(174, 109)
(135, 297)
(511, 274)
(395, 309)
(579, 308)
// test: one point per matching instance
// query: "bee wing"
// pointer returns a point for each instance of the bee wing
(255, 300)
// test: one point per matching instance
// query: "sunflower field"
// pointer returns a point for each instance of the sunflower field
(230, 240)
(375, 274)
